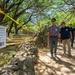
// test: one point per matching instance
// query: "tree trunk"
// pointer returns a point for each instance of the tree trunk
(11, 25)
(16, 31)
(1, 17)
(41, 39)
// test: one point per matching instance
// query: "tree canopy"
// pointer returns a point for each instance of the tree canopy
(35, 13)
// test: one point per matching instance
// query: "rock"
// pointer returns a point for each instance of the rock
(22, 62)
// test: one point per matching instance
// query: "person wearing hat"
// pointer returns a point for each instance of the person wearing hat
(65, 35)
(53, 32)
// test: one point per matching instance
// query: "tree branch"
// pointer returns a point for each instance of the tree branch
(26, 21)
(29, 6)
(14, 4)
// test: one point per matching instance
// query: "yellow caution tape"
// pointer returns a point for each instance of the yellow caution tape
(9, 17)
(23, 27)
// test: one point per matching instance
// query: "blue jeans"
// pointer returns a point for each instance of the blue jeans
(53, 44)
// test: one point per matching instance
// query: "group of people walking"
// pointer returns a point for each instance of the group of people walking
(65, 34)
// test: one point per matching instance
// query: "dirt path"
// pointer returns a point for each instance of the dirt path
(60, 65)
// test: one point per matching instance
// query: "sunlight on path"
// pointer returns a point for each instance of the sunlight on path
(60, 65)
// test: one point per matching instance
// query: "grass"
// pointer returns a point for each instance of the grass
(6, 54)
(11, 47)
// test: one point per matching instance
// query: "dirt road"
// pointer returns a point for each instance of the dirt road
(60, 65)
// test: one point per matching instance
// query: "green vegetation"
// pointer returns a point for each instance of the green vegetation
(33, 15)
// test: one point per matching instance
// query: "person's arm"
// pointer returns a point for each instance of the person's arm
(59, 35)
(74, 31)
(48, 39)
(58, 32)
(70, 35)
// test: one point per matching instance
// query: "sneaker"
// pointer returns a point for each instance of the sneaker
(54, 54)
(71, 46)
(51, 56)
(69, 55)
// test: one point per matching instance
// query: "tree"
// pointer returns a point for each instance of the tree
(31, 11)
(16, 9)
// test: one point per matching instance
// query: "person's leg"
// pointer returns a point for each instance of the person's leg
(55, 45)
(69, 47)
(72, 41)
(51, 46)
(64, 46)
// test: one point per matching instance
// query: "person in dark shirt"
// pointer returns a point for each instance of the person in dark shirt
(73, 33)
(65, 35)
